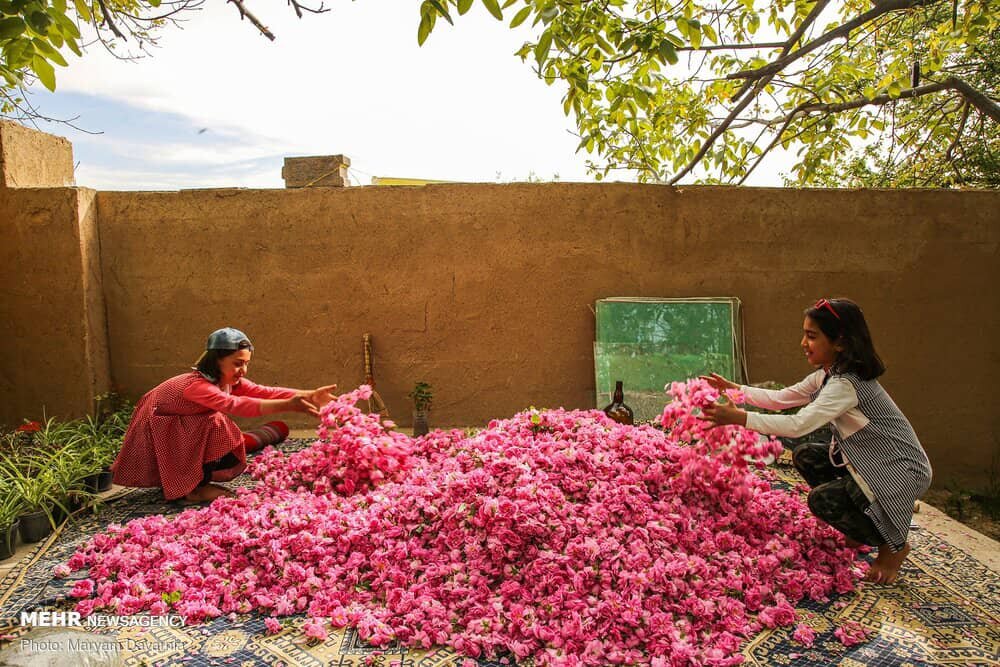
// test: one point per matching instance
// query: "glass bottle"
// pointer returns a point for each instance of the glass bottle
(618, 411)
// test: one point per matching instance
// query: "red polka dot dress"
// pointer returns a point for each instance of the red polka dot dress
(183, 424)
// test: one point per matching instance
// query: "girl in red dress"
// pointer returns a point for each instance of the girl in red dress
(181, 437)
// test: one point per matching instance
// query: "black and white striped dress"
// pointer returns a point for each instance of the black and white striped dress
(887, 455)
(874, 439)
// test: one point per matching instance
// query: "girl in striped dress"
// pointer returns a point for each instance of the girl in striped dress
(866, 481)
(181, 437)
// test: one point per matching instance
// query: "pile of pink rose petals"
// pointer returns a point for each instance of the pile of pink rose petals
(554, 535)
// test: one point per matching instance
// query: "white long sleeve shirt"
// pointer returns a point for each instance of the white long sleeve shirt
(837, 402)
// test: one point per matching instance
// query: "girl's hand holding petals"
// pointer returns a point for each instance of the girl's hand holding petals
(721, 415)
(321, 395)
(718, 382)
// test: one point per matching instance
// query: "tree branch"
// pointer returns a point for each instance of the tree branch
(299, 8)
(843, 30)
(246, 14)
(976, 98)
(107, 20)
(814, 13)
(951, 83)
(723, 127)
(733, 47)
(958, 133)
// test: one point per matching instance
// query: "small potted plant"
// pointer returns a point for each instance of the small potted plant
(70, 466)
(99, 450)
(37, 519)
(26, 473)
(107, 431)
(10, 508)
(422, 398)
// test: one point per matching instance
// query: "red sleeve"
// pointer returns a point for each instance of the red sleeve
(205, 393)
(247, 388)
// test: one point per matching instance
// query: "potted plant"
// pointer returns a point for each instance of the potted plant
(10, 508)
(26, 473)
(70, 466)
(422, 398)
(105, 433)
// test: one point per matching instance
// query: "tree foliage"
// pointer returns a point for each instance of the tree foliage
(933, 143)
(709, 89)
(892, 92)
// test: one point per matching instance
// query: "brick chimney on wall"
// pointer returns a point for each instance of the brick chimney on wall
(320, 171)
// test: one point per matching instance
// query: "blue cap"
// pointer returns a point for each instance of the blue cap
(227, 339)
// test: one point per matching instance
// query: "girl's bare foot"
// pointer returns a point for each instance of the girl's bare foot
(885, 569)
(208, 493)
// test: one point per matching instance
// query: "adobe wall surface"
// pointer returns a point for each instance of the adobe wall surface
(52, 323)
(33, 159)
(486, 291)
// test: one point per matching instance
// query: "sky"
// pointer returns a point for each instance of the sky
(219, 105)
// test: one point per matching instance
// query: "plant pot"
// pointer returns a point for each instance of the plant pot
(420, 423)
(35, 527)
(90, 482)
(8, 540)
(104, 478)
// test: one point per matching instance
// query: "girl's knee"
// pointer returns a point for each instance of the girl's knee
(801, 457)
(822, 505)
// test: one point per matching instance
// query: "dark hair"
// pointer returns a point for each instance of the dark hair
(849, 330)
(208, 365)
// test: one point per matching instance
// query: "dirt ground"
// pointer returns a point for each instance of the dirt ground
(966, 510)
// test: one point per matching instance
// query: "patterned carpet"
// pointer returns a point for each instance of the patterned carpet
(944, 611)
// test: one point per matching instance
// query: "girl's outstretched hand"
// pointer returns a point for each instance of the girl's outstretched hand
(718, 382)
(725, 413)
(321, 396)
(302, 404)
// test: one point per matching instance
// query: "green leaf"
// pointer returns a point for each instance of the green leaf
(464, 6)
(71, 43)
(55, 37)
(19, 53)
(442, 10)
(508, 4)
(710, 33)
(667, 51)
(69, 28)
(494, 9)
(11, 27)
(695, 36)
(542, 48)
(83, 10)
(520, 17)
(39, 22)
(425, 27)
(683, 27)
(154, 3)
(45, 50)
(44, 71)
